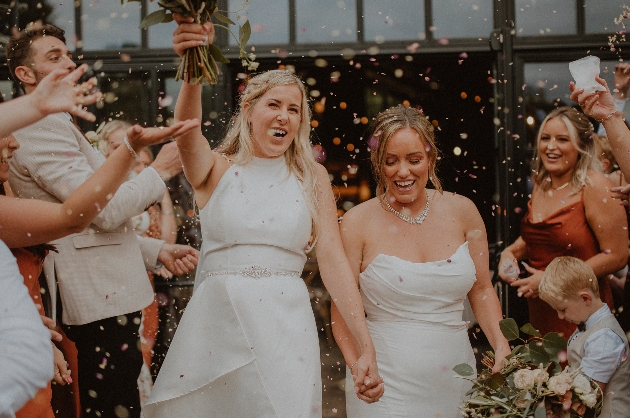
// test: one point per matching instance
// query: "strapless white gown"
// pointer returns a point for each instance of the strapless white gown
(247, 345)
(414, 314)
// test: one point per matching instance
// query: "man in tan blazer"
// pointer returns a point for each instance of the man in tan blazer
(101, 271)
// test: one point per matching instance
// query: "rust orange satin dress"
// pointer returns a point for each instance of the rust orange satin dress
(31, 266)
(564, 232)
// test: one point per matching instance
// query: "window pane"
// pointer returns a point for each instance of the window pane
(326, 21)
(6, 89)
(545, 17)
(63, 17)
(160, 35)
(462, 18)
(110, 25)
(404, 21)
(547, 85)
(600, 15)
(269, 21)
(126, 96)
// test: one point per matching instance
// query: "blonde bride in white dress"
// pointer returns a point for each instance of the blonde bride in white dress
(416, 254)
(247, 345)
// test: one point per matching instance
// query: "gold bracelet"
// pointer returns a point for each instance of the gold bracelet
(355, 363)
(609, 116)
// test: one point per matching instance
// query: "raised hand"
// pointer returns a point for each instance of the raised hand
(167, 163)
(622, 81)
(178, 259)
(59, 92)
(598, 105)
(190, 34)
(140, 137)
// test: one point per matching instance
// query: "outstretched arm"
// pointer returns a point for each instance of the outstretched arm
(601, 107)
(55, 93)
(339, 280)
(196, 154)
(29, 222)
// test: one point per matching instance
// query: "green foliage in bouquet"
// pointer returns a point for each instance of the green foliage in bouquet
(531, 382)
(199, 64)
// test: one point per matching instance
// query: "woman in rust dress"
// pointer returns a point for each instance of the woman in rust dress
(571, 212)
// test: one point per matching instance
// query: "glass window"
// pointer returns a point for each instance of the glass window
(326, 21)
(6, 89)
(125, 96)
(110, 25)
(404, 21)
(62, 16)
(160, 35)
(600, 15)
(462, 19)
(546, 17)
(269, 21)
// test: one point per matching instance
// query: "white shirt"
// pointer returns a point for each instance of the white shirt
(603, 349)
(26, 354)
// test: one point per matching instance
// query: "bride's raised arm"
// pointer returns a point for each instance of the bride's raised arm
(195, 152)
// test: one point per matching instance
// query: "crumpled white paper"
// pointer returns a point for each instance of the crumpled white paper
(584, 72)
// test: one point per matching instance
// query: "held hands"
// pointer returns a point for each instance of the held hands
(190, 34)
(59, 92)
(368, 384)
(598, 105)
(50, 324)
(499, 356)
(528, 286)
(178, 259)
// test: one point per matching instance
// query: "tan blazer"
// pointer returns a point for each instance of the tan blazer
(100, 271)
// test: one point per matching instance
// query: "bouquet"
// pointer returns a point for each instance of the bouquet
(531, 382)
(199, 64)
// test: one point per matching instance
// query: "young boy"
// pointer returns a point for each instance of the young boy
(599, 344)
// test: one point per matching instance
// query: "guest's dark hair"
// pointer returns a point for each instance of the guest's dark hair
(19, 49)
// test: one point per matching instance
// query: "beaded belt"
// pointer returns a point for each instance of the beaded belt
(256, 272)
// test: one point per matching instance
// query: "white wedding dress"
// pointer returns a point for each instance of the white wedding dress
(414, 314)
(247, 345)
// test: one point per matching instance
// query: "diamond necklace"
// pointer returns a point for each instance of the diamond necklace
(561, 187)
(418, 219)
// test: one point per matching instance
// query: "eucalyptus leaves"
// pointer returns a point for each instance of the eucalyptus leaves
(531, 382)
(199, 64)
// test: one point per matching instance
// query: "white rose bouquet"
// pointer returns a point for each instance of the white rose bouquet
(199, 64)
(531, 382)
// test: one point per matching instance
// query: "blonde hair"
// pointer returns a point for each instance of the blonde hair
(108, 129)
(581, 132)
(385, 125)
(564, 277)
(604, 152)
(299, 156)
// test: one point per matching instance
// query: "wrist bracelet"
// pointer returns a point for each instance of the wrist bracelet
(131, 150)
(609, 116)
(354, 364)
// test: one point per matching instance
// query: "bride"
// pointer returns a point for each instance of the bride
(416, 254)
(247, 345)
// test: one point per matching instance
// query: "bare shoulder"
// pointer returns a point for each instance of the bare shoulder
(322, 175)
(598, 181)
(361, 212)
(452, 202)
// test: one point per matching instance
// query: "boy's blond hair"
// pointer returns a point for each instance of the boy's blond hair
(564, 277)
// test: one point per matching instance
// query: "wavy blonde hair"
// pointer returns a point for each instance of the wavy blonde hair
(108, 129)
(385, 125)
(581, 131)
(299, 156)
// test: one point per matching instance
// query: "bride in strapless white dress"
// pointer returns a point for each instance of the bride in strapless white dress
(417, 254)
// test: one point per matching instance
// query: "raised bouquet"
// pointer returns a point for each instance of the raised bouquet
(531, 382)
(199, 64)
